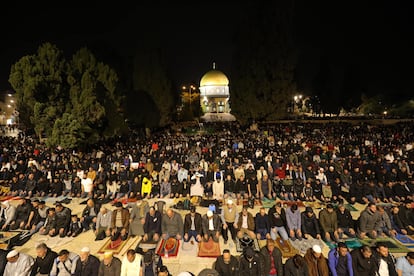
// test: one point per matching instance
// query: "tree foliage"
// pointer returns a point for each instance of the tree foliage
(71, 102)
(263, 75)
(150, 76)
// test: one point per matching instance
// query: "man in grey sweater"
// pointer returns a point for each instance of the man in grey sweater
(369, 222)
(172, 225)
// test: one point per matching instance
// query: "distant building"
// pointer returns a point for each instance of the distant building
(8, 112)
(215, 96)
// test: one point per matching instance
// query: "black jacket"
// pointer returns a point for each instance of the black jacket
(310, 225)
(90, 268)
(231, 269)
(361, 265)
(87, 210)
(197, 223)
(3, 260)
(345, 219)
(292, 270)
(277, 258)
(276, 219)
(44, 265)
(250, 268)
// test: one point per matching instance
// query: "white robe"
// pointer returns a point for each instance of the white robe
(22, 267)
(131, 269)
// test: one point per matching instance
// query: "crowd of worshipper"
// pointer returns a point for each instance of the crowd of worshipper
(366, 260)
(332, 164)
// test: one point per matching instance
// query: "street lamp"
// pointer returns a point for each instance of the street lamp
(190, 89)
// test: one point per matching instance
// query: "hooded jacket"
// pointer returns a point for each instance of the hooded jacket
(316, 266)
(333, 258)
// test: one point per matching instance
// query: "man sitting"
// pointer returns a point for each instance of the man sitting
(172, 225)
(63, 218)
(24, 215)
(211, 226)
(152, 225)
(103, 223)
(89, 215)
(245, 224)
(262, 225)
(119, 222)
(192, 225)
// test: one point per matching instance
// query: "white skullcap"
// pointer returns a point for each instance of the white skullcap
(209, 213)
(229, 201)
(317, 249)
(12, 254)
(85, 249)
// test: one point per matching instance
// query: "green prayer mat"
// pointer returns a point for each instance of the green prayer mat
(393, 245)
(350, 207)
(352, 243)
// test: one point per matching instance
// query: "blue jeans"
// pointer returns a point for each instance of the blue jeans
(191, 233)
(279, 230)
(262, 232)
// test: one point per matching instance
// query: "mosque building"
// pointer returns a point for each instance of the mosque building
(215, 96)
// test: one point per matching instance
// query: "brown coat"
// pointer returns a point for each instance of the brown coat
(250, 221)
(316, 267)
(124, 215)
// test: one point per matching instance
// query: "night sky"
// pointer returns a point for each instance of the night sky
(374, 39)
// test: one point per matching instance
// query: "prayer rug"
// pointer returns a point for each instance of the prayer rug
(268, 203)
(54, 242)
(169, 246)
(350, 207)
(393, 245)
(113, 246)
(353, 243)
(291, 202)
(4, 198)
(245, 202)
(407, 241)
(303, 245)
(330, 244)
(209, 249)
(286, 248)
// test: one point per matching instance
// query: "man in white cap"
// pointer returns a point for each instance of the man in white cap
(18, 264)
(211, 225)
(132, 264)
(87, 264)
(229, 218)
(316, 262)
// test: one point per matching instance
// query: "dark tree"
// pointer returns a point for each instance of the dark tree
(323, 87)
(150, 76)
(263, 69)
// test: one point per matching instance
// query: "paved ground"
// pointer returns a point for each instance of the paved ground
(185, 261)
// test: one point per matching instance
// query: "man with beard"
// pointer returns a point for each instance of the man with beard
(86, 264)
(227, 264)
(384, 261)
(363, 262)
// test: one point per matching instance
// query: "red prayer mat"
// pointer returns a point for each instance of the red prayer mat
(170, 246)
(209, 249)
(113, 246)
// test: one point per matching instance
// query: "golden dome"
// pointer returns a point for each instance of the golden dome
(214, 77)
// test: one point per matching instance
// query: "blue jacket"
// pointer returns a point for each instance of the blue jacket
(333, 262)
